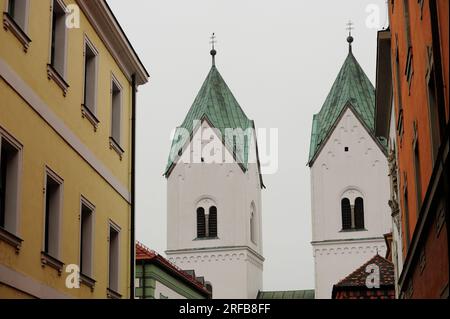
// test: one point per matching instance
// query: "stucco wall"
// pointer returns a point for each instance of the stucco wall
(362, 171)
(233, 191)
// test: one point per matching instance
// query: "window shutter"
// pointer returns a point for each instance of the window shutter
(359, 213)
(346, 214)
(213, 222)
(201, 223)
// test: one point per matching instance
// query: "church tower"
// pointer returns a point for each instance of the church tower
(214, 193)
(349, 182)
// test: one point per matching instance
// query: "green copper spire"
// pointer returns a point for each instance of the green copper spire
(351, 87)
(216, 103)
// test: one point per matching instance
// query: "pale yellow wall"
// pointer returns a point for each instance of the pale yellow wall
(32, 67)
(11, 293)
(43, 146)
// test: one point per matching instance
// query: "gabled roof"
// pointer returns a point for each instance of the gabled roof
(145, 254)
(292, 294)
(216, 104)
(358, 277)
(352, 86)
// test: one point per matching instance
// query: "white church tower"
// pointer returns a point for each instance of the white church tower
(349, 182)
(214, 194)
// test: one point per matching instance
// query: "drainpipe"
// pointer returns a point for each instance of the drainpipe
(133, 187)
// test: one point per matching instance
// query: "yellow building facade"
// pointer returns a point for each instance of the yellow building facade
(68, 77)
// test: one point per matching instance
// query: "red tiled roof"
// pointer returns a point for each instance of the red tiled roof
(359, 276)
(145, 253)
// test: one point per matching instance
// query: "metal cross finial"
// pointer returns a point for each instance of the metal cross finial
(213, 40)
(350, 38)
(213, 50)
(350, 27)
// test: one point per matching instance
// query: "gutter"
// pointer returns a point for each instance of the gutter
(133, 187)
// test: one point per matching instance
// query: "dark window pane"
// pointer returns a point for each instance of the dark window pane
(3, 161)
(201, 223)
(213, 222)
(359, 213)
(346, 214)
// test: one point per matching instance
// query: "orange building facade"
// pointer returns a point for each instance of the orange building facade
(419, 35)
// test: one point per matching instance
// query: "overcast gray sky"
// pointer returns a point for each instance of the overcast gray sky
(280, 59)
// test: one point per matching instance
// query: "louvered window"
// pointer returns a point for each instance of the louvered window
(201, 223)
(359, 213)
(346, 214)
(212, 222)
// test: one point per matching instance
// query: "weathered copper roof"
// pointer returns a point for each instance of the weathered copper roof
(352, 86)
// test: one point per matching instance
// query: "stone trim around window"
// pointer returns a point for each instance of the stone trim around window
(11, 239)
(10, 25)
(111, 294)
(90, 116)
(116, 147)
(47, 260)
(54, 75)
(87, 281)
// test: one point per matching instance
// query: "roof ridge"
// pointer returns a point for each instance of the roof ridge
(362, 268)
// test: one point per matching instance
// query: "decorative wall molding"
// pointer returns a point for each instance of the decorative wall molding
(30, 286)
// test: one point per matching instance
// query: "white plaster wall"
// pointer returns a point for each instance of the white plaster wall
(160, 288)
(363, 169)
(333, 262)
(233, 192)
(233, 273)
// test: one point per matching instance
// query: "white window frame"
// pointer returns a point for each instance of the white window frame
(25, 17)
(56, 178)
(116, 144)
(18, 29)
(90, 111)
(14, 227)
(86, 203)
(115, 227)
(53, 72)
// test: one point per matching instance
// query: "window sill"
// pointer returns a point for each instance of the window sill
(116, 147)
(54, 75)
(87, 281)
(10, 239)
(47, 260)
(352, 230)
(111, 294)
(89, 115)
(11, 25)
(206, 238)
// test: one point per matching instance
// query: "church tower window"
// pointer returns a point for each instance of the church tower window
(359, 213)
(206, 221)
(201, 223)
(212, 227)
(253, 224)
(352, 215)
(346, 214)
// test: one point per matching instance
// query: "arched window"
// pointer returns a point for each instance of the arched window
(201, 223)
(212, 227)
(359, 213)
(253, 223)
(346, 214)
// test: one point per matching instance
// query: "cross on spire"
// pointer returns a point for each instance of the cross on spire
(213, 40)
(213, 52)
(350, 27)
